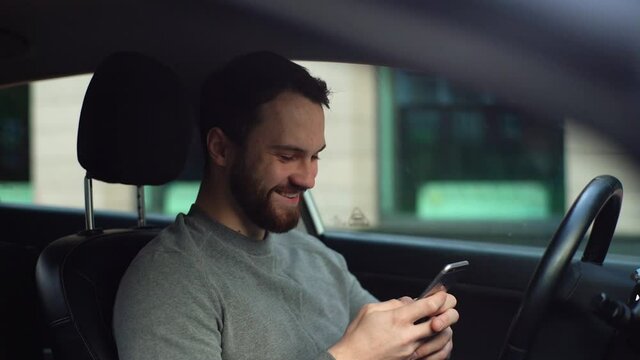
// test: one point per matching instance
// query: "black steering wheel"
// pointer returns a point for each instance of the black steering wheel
(598, 204)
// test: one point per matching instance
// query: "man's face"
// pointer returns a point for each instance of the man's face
(279, 161)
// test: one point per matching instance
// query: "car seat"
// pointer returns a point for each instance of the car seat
(135, 128)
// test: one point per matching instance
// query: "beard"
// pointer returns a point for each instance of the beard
(254, 200)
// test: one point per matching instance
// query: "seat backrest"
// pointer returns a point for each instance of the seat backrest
(135, 128)
(79, 277)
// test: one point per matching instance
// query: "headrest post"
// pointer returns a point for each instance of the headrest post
(88, 203)
(140, 199)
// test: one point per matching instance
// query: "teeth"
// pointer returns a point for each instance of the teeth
(289, 196)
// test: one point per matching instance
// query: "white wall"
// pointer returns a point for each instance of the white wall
(587, 155)
(347, 178)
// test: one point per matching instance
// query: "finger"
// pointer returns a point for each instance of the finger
(406, 300)
(444, 320)
(449, 303)
(424, 307)
(443, 354)
(434, 345)
(436, 324)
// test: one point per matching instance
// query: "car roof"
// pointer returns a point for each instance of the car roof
(572, 58)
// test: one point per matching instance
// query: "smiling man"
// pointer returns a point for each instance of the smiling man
(231, 279)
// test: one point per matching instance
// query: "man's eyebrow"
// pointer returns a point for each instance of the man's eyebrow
(294, 148)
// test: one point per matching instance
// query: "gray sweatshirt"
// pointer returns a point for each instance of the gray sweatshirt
(202, 291)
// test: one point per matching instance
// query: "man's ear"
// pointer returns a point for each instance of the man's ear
(219, 147)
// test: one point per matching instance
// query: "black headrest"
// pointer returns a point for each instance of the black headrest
(135, 124)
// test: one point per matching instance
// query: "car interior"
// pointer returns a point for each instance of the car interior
(554, 257)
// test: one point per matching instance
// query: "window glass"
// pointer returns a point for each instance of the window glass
(172, 198)
(416, 154)
(14, 144)
(462, 156)
(407, 153)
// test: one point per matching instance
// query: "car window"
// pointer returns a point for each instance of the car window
(14, 145)
(407, 153)
(417, 154)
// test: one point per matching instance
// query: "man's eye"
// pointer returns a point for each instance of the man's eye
(315, 157)
(285, 157)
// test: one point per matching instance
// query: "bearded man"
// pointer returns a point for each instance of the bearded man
(231, 279)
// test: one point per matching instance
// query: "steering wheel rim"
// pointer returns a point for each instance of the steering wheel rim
(598, 204)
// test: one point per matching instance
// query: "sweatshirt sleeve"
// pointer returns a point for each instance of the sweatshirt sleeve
(158, 315)
(358, 297)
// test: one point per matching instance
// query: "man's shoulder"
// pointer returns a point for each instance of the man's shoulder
(170, 238)
(186, 232)
(161, 266)
(174, 243)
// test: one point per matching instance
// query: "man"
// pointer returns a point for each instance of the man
(230, 280)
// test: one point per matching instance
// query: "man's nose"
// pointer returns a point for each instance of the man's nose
(305, 175)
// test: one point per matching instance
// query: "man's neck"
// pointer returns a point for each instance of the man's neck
(218, 203)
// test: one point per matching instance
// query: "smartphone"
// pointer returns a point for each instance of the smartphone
(445, 278)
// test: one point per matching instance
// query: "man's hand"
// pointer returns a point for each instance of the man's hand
(387, 330)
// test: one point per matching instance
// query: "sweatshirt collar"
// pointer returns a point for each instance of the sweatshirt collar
(229, 236)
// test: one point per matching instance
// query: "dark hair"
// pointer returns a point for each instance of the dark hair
(232, 95)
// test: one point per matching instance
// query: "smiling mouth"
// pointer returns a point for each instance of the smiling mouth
(292, 195)
(288, 195)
